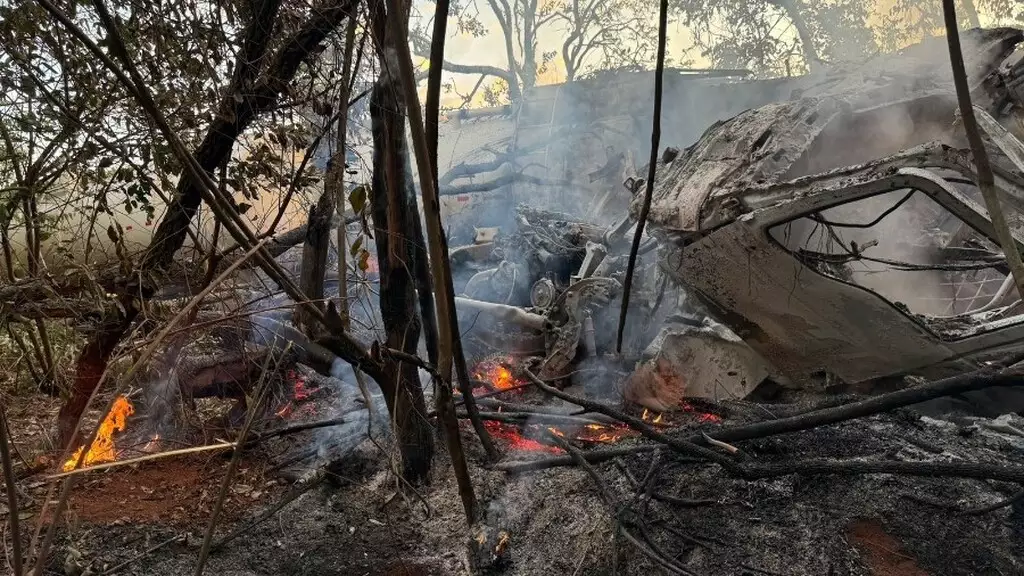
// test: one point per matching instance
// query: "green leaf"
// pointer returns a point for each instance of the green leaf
(357, 198)
(244, 207)
(354, 249)
(364, 260)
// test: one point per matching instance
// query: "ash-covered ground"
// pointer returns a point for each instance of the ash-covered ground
(360, 521)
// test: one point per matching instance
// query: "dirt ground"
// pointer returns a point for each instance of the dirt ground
(149, 519)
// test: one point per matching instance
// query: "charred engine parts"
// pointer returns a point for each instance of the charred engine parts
(542, 294)
(595, 255)
(564, 271)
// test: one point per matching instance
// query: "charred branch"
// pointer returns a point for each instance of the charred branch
(592, 456)
(886, 402)
(645, 208)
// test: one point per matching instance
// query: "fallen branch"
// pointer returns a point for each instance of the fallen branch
(146, 458)
(293, 429)
(592, 456)
(493, 392)
(683, 502)
(647, 548)
(504, 180)
(995, 506)
(229, 476)
(534, 418)
(176, 538)
(507, 407)
(972, 381)
(974, 470)
(577, 456)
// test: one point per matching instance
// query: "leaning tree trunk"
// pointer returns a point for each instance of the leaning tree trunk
(393, 216)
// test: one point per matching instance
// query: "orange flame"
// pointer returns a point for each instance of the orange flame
(649, 416)
(102, 449)
(603, 434)
(497, 373)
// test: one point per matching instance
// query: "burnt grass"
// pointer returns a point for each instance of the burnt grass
(361, 523)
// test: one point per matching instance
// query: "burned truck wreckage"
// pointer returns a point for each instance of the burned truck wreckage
(840, 237)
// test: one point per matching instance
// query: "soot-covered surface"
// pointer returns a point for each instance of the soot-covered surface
(877, 525)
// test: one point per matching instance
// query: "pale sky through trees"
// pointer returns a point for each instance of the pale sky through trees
(488, 49)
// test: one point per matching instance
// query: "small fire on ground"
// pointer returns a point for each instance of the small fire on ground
(300, 392)
(498, 374)
(102, 448)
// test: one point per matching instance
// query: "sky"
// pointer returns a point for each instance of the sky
(489, 49)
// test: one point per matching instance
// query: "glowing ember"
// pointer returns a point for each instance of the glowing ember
(602, 434)
(497, 373)
(300, 392)
(102, 449)
(153, 445)
(510, 433)
(705, 417)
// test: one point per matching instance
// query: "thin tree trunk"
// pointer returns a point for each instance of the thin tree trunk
(33, 238)
(336, 173)
(12, 493)
(314, 257)
(440, 267)
(392, 212)
(986, 181)
(424, 287)
(659, 80)
(433, 111)
(36, 352)
(47, 348)
(27, 357)
(5, 244)
(792, 10)
(515, 89)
